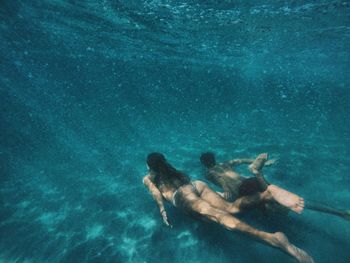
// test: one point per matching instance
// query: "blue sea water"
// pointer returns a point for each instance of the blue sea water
(89, 88)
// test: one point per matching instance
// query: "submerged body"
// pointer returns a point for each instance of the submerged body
(235, 185)
(196, 198)
(230, 181)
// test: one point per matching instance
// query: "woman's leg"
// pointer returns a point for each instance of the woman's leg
(277, 240)
(241, 204)
(213, 198)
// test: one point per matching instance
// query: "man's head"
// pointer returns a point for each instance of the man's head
(208, 159)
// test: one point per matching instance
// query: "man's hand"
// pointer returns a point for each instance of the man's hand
(228, 196)
(165, 218)
(227, 193)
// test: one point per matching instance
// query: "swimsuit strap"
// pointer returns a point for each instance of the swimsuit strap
(194, 188)
(173, 198)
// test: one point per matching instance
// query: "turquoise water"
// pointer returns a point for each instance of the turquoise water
(89, 88)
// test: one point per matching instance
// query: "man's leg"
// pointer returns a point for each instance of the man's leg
(287, 199)
(281, 196)
(256, 169)
(276, 240)
(250, 201)
(327, 209)
(258, 163)
(217, 201)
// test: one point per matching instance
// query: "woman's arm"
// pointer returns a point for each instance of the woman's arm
(157, 196)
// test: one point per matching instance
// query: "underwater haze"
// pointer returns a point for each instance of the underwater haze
(89, 88)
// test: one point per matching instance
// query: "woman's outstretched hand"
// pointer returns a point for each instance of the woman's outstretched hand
(165, 218)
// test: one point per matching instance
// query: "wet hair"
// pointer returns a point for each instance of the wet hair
(155, 161)
(208, 159)
(164, 172)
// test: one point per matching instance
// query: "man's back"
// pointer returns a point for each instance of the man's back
(224, 176)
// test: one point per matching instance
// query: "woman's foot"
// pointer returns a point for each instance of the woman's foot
(281, 241)
(285, 198)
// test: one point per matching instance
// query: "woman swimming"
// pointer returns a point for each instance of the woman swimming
(196, 198)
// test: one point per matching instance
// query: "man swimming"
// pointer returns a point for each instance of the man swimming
(235, 185)
(194, 197)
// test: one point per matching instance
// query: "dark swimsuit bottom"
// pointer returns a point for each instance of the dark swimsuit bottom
(250, 186)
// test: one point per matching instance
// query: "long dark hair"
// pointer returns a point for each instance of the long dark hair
(164, 172)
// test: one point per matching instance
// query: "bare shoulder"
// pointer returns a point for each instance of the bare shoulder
(147, 179)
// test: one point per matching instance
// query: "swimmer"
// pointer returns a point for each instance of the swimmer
(235, 185)
(164, 182)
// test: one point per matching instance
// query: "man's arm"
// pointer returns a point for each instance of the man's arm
(157, 196)
(240, 161)
(249, 161)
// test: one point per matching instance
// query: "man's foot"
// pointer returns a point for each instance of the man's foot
(281, 241)
(346, 215)
(258, 163)
(286, 198)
